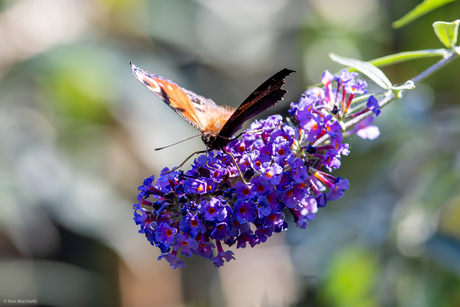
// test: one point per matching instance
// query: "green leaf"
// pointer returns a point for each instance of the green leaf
(420, 10)
(366, 68)
(408, 56)
(447, 32)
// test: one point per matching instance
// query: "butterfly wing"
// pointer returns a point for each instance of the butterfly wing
(185, 103)
(264, 97)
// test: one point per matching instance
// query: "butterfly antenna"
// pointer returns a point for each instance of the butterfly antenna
(156, 149)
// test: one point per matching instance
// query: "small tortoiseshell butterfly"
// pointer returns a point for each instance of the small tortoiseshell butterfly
(217, 124)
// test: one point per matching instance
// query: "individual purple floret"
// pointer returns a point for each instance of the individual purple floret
(209, 206)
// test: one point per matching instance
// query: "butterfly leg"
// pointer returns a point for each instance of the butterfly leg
(237, 167)
(252, 131)
(209, 166)
(180, 165)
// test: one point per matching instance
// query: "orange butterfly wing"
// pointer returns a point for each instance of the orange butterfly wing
(213, 116)
(185, 103)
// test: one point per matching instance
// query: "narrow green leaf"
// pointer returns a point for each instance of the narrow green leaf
(420, 10)
(447, 32)
(366, 68)
(408, 56)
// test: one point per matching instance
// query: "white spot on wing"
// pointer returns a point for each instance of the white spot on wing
(156, 88)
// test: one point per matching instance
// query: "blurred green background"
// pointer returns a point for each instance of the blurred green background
(78, 132)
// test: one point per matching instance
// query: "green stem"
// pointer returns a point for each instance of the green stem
(451, 56)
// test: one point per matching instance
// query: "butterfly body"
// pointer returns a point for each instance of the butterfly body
(217, 124)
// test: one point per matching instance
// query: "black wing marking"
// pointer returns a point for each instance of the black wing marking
(200, 103)
(264, 97)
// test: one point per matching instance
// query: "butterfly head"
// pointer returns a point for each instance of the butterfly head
(212, 140)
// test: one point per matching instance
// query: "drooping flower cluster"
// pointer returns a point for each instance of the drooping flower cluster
(197, 211)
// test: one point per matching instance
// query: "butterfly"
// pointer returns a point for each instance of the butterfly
(217, 124)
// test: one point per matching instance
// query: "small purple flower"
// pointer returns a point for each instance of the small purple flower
(357, 88)
(141, 218)
(331, 160)
(281, 150)
(163, 182)
(337, 190)
(145, 187)
(333, 128)
(195, 186)
(172, 260)
(238, 228)
(263, 206)
(341, 148)
(321, 200)
(243, 192)
(220, 231)
(260, 186)
(299, 171)
(310, 204)
(165, 233)
(370, 132)
(345, 76)
(313, 126)
(217, 174)
(275, 220)
(263, 233)
(213, 210)
(204, 249)
(272, 174)
(292, 195)
(246, 238)
(222, 255)
(373, 105)
(245, 211)
(327, 78)
(305, 106)
(192, 224)
(260, 161)
(301, 217)
(272, 199)
(365, 131)
(187, 246)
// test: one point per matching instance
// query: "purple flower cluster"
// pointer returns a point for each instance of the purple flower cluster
(196, 211)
